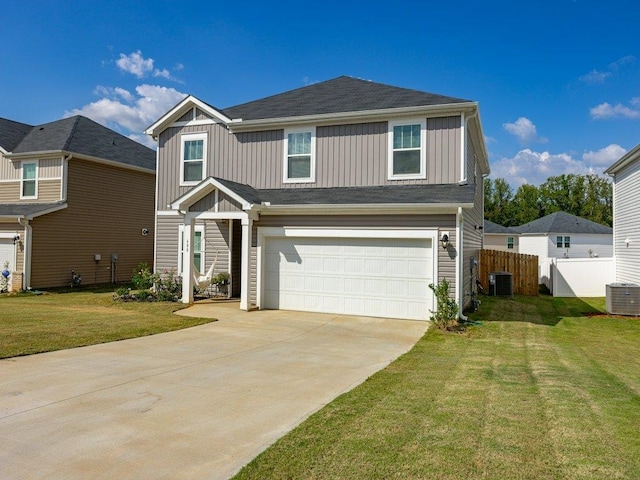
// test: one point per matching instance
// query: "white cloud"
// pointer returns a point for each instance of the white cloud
(626, 60)
(135, 64)
(595, 76)
(129, 113)
(605, 156)
(606, 110)
(534, 168)
(162, 73)
(524, 130)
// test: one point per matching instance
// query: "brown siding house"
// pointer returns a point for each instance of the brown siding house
(73, 193)
(335, 197)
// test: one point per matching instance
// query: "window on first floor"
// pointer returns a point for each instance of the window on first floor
(407, 154)
(193, 154)
(299, 158)
(510, 242)
(29, 180)
(563, 242)
(198, 248)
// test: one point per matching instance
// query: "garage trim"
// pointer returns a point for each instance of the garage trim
(264, 233)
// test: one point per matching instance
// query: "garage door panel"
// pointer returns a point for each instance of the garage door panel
(373, 277)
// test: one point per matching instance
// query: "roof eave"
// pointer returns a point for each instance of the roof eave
(180, 109)
(80, 156)
(626, 159)
(368, 208)
(352, 116)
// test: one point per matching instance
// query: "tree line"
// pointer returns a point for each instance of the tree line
(587, 196)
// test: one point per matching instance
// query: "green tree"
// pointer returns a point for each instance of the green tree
(526, 204)
(497, 201)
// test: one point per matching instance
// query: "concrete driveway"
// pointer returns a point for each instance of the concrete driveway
(198, 403)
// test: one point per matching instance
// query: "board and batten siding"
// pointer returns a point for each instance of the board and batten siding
(107, 209)
(346, 155)
(626, 218)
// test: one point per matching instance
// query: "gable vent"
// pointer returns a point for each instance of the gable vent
(623, 299)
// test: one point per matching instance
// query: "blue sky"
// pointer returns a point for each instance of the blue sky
(558, 82)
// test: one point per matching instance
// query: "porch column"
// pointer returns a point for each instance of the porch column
(247, 224)
(187, 260)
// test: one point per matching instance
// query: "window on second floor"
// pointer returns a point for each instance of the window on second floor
(510, 242)
(193, 154)
(29, 180)
(299, 156)
(407, 149)
(563, 242)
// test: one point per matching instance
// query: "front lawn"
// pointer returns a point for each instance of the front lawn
(543, 389)
(32, 323)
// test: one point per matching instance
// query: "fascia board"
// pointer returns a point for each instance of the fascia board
(352, 117)
(366, 209)
(63, 153)
(62, 206)
(202, 190)
(190, 101)
(626, 159)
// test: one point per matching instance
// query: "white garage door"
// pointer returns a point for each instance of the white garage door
(353, 276)
(7, 254)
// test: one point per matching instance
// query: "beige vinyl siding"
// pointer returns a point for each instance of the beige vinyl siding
(107, 209)
(9, 170)
(498, 241)
(167, 242)
(346, 155)
(49, 181)
(227, 204)
(205, 204)
(626, 217)
(10, 192)
(446, 258)
(48, 191)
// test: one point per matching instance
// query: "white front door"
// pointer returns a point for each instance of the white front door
(381, 277)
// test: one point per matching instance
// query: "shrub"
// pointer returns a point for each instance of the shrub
(143, 277)
(446, 315)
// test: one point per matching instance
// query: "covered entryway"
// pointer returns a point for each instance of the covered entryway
(381, 277)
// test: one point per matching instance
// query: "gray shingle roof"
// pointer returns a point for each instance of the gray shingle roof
(562, 222)
(11, 133)
(389, 194)
(490, 227)
(83, 136)
(342, 94)
(25, 209)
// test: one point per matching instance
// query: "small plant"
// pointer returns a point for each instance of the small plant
(220, 279)
(446, 315)
(142, 277)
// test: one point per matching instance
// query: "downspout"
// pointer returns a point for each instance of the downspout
(463, 146)
(26, 261)
(65, 177)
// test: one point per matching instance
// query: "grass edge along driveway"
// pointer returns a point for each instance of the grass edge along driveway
(55, 321)
(542, 389)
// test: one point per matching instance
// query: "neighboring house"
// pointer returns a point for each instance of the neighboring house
(334, 197)
(562, 235)
(626, 216)
(497, 237)
(72, 193)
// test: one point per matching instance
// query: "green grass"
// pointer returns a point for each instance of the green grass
(57, 320)
(541, 390)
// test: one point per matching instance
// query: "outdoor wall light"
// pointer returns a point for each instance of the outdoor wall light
(627, 241)
(16, 238)
(444, 240)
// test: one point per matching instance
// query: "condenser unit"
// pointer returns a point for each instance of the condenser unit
(501, 283)
(623, 299)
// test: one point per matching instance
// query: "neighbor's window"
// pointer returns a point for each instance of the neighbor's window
(407, 149)
(193, 155)
(198, 248)
(299, 161)
(563, 242)
(29, 187)
(509, 242)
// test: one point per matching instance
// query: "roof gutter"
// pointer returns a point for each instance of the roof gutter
(366, 209)
(69, 155)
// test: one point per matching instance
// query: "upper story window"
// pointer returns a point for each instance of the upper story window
(300, 155)
(193, 156)
(510, 242)
(29, 180)
(560, 243)
(407, 149)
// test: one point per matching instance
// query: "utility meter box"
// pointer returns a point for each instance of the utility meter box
(114, 258)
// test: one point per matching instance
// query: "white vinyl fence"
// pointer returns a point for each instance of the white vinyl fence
(581, 277)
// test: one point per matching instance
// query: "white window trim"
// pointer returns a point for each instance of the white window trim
(423, 149)
(22, 179)
(197, 228)
(512, 243)
(190, 137)
(285, 156)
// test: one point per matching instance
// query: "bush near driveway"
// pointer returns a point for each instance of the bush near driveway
(62, 319)
(543, 389)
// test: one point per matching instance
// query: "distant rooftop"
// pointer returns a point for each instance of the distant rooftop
(563, 222)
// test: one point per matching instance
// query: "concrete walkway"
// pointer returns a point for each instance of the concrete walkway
(197, 403)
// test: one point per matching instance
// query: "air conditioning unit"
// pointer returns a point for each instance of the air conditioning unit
(623, 299)
(501, 283)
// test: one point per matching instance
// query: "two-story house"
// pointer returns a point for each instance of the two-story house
(345, 196)
(74, 196)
